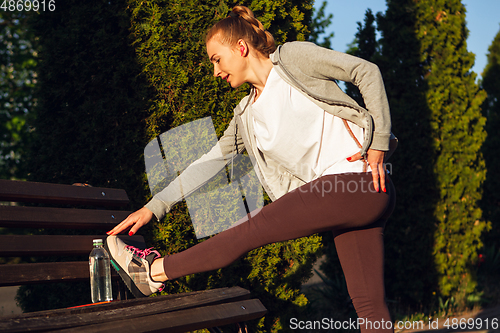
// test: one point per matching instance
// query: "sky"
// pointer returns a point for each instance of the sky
(483, 22)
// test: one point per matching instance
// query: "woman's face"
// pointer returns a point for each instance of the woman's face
(229, 61)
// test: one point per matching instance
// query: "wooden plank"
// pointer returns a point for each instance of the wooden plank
(52, 245)
(68, 218)
(207, 313)
(182, 320)
(75, 317)
(45, 272)
(22, 191)
(19, 274)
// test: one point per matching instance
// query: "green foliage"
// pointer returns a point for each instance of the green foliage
(458, 133)
(365, 46)
(114, 75)
(438, 169)
(90, 111)
(489, 262)
(92, 100)
(330, 300)
(411, 227)
(17, 80)
(491, 110)
(319, 23)
(169, 43)
(433, 236)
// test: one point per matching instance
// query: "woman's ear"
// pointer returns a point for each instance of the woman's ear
(242, 45)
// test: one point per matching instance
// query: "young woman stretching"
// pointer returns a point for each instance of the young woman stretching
(311, 144)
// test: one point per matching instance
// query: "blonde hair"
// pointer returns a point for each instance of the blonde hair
(242, 24)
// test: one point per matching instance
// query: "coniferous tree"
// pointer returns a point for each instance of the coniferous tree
(365, 46)
(91, 105)
(435, 231)
(168, 38)
(491, 110)
(409, 233)
(115, 75)
(319, 23)
(17, 80)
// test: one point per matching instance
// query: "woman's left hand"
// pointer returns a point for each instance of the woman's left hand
(376, 162)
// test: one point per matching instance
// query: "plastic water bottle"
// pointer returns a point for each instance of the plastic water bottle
(100, 274)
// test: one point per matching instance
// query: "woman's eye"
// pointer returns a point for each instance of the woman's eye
(217, 61)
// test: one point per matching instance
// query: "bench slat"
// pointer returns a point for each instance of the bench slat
(183, 320)
(22, 191)
(68, 218)
(53, 245)
(19, 274)
(70, 271)
(174, 313)
(179, 314)
(73, 317)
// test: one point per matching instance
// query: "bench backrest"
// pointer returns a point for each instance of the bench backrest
(103, 215)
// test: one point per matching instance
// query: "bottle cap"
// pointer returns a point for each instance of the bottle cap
(97, 241)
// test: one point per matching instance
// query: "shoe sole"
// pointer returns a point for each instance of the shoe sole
(123, 275)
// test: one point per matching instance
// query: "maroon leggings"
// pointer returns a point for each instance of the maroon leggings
(346, 204)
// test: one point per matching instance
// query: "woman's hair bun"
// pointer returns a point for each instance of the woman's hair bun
(242, 24)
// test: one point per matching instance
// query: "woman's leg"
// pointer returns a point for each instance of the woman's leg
(344, 204)
(361, 254)
(334, 202)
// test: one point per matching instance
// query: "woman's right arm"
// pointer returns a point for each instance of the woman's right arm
(134, 222)
(193, 177)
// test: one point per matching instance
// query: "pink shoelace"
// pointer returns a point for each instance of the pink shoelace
(141, 253)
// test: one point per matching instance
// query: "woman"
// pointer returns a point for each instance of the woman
(311, 144)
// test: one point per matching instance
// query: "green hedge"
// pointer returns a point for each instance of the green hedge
(491, 110)
(113, 76)
(435, 233)
(168, 38)
(17, 79)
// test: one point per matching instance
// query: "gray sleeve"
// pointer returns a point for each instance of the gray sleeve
(326, 64)
(198, 173)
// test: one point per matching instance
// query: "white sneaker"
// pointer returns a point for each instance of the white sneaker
(133, 265)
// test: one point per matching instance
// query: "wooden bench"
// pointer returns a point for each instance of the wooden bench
(171, 313)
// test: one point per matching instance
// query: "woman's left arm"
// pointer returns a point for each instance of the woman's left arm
(314, 63)
(367, 77)
(375, 159)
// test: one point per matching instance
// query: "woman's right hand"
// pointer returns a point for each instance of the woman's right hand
(134, 222)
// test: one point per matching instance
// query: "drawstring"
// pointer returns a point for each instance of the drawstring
(235, 147)
(365, 162)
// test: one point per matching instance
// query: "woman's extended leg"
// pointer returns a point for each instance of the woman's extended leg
(346, 204)
(334, 202)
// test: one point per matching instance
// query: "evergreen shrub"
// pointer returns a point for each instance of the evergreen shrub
(90, 112)
(115, 75)
(435, 233)
(433, 237)
(489, 261)
(169, 41)
(17, 80)
(491, 110)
